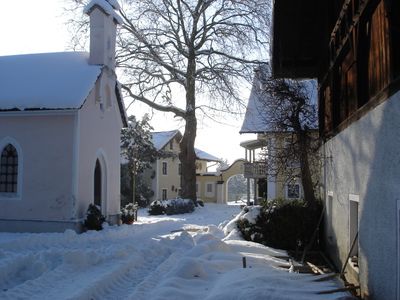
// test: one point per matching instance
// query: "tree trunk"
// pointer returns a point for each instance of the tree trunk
(187, 155)
(134, 183)
(306, 176)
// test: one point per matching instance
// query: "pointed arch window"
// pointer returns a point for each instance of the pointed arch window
(9, 169)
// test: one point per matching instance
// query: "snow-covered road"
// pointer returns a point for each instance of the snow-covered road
(152, 259)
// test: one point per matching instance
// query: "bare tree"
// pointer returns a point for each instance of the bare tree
(288, 108)
(188, 57)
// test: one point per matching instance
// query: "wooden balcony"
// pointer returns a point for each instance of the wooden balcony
(255, 170)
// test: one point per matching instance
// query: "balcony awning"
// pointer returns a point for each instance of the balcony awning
(253, 144)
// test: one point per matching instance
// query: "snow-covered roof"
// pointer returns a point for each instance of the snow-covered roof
(46, 81)
(162, 138)
(256, 111)
(108, 6)
(202, 155)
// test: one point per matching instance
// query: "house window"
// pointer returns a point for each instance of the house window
(329, 212)
(353, 230)
(171, 145)
(9, 170)
(293, 191)
(180, 169)
(197, 187)
(209, 188)
(164, 168)
(164, 194)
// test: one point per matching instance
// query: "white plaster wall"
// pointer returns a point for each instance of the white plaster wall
(271, 189)
(46, 143)
(99, 136)
(364, 160)
(102, 39)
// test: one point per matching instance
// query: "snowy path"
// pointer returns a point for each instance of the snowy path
(152, 259)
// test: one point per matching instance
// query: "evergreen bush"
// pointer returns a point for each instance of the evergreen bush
(156, 208)
(283, 224)
(171, 207)
(179, 206)
(128, 213)
(94, 219)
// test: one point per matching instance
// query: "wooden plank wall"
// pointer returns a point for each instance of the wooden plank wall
(379, 55)
(361, 64)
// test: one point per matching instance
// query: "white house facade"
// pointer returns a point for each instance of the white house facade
(60, 120)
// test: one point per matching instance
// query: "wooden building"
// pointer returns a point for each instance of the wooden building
(353, 48)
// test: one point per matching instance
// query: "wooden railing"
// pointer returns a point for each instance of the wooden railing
(343, 30)
(255, 170)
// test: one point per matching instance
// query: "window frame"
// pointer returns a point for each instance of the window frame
(295, 185)
(164, 170)
(18, 194)
(164, 191)
(213, 189)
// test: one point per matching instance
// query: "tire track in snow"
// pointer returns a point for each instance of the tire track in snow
(132, 284)
(92, 265)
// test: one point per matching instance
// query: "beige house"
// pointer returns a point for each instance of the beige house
(60, 120)
(270, 180)
(164, 177)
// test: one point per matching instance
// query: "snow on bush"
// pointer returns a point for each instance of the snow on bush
(128, 213)
(94, 219)
(249, 213)
(171, 207)
(282, 224)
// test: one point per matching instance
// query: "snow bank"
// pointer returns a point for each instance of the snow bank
(249, 213)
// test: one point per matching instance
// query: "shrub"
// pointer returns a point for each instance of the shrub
(283, 224)
(128, 213)
(94, 218)
(156, 208)
(171, 207)
(179, 206)
(200, 202)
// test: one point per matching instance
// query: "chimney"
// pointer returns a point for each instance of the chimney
(103, 29)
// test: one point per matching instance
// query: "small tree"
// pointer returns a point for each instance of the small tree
(288, 109)
(139, 152)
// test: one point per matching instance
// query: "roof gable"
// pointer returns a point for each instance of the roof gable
(202, 155)
(162, 138)
(255, 120)
(46, 81)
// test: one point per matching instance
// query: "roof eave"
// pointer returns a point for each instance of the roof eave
(295, 44)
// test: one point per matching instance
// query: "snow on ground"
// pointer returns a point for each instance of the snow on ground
(159, 257)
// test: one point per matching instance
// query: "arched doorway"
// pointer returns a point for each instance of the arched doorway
(97, 197)
(236, 188)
